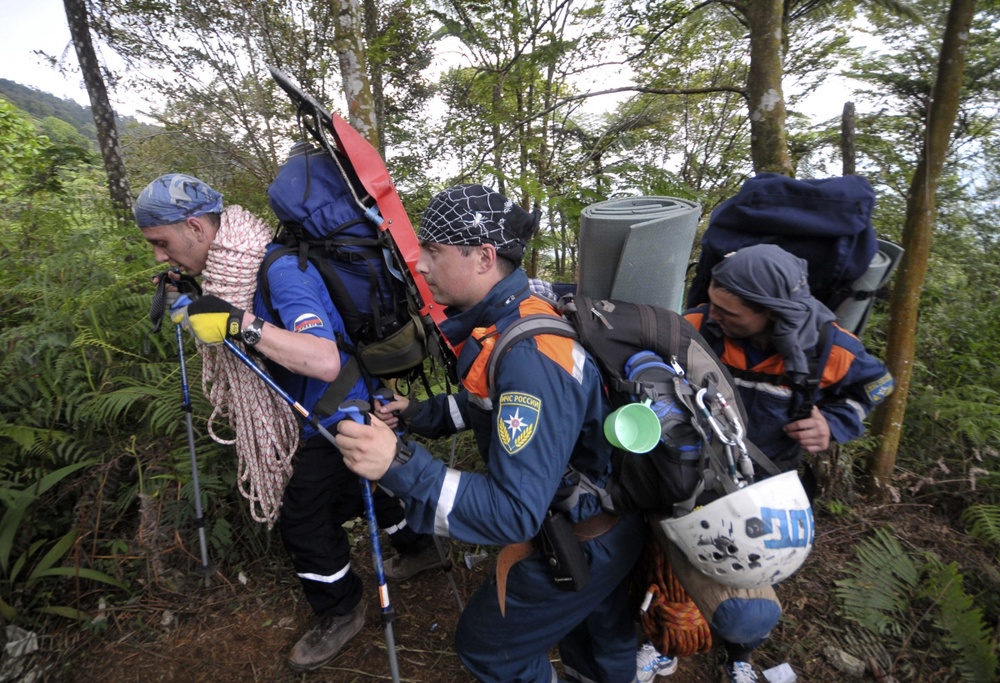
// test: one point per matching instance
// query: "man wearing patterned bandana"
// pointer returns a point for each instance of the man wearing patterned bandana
(547, 415)
(184, 221)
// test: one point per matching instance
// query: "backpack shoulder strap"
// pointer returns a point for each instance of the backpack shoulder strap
(353, 320)
(262, 282)
(350, 372)
(810, 386)
(528, 326)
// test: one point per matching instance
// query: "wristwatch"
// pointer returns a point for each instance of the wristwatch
(251, 333)
(403, 454)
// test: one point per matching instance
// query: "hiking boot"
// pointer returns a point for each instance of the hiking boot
(322, 642)
(649, 664)
(407, 565)
(740, 672)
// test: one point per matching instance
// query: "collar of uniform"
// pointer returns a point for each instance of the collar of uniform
(502, 300)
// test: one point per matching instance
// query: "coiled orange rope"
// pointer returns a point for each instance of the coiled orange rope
(671, 620)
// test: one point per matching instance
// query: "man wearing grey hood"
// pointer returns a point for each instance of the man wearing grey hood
(803, 379)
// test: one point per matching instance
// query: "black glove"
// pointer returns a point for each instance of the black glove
(209, 318)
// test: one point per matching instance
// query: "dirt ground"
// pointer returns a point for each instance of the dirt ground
(240, 632)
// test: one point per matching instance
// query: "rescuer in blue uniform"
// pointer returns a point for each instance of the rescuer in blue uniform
(803, 380)
(545, 413)
(185, 222)
(774, 336)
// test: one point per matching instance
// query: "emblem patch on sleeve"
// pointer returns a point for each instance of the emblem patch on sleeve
(517, 420)
(879, 389)
(307, 321)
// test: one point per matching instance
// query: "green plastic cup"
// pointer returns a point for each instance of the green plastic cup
(634, 427)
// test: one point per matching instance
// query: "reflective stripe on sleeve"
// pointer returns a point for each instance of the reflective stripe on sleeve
(456, 414)
(446, 502)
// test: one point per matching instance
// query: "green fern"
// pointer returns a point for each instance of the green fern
(880, 585)
(892, 596)
(961, 624)
(983, 522)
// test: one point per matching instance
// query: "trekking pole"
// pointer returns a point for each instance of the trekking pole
(385, 395)
(157, 309)
(199, 518)
(360, 412)
(383, 590)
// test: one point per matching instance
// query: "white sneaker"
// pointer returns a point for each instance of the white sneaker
(649, 664)
(740, 672)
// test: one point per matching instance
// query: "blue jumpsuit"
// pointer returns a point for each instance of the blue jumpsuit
(547, 412)
(322, 493)
(852, 383)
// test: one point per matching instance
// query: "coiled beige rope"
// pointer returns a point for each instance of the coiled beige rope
(267, 432)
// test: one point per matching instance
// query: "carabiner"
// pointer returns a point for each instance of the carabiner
(710, 418)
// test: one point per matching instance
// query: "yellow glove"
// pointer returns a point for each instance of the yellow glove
(209, 318)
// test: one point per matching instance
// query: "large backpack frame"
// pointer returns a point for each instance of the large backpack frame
(349, 223)
(614, 331)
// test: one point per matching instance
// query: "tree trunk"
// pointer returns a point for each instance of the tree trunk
(768, 142)
(104, 116)
(371, 21)
(917, 230)
(348, 37)
(848, 140)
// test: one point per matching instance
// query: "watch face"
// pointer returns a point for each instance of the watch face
(251, 335)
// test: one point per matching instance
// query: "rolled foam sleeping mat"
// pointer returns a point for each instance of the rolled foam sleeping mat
(637, 249)
(853, 313)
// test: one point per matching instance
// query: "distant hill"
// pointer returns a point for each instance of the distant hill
(41, 104)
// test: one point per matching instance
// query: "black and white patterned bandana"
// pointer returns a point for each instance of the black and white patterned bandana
(473, 215)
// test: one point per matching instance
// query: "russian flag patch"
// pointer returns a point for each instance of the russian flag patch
(307, 321)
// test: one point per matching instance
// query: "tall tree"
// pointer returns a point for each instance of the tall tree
(917, 231)
(349, 36)
(523, 60)
(770, 29)
(78, 18)
(768, 142)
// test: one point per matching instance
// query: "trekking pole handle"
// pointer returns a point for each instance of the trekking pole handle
(357, 410)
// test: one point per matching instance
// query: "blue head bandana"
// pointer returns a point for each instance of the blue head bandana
(173, 197)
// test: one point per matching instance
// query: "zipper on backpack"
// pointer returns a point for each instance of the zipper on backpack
(676, 366)
(601, 318)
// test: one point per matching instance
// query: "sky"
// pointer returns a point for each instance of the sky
(27, 25)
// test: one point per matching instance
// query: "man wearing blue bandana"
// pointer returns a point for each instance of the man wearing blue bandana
(803, 380)
(543, 417)
(185, 222)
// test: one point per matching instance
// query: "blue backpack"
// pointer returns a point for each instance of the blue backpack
(325, 220)
(825, 221)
